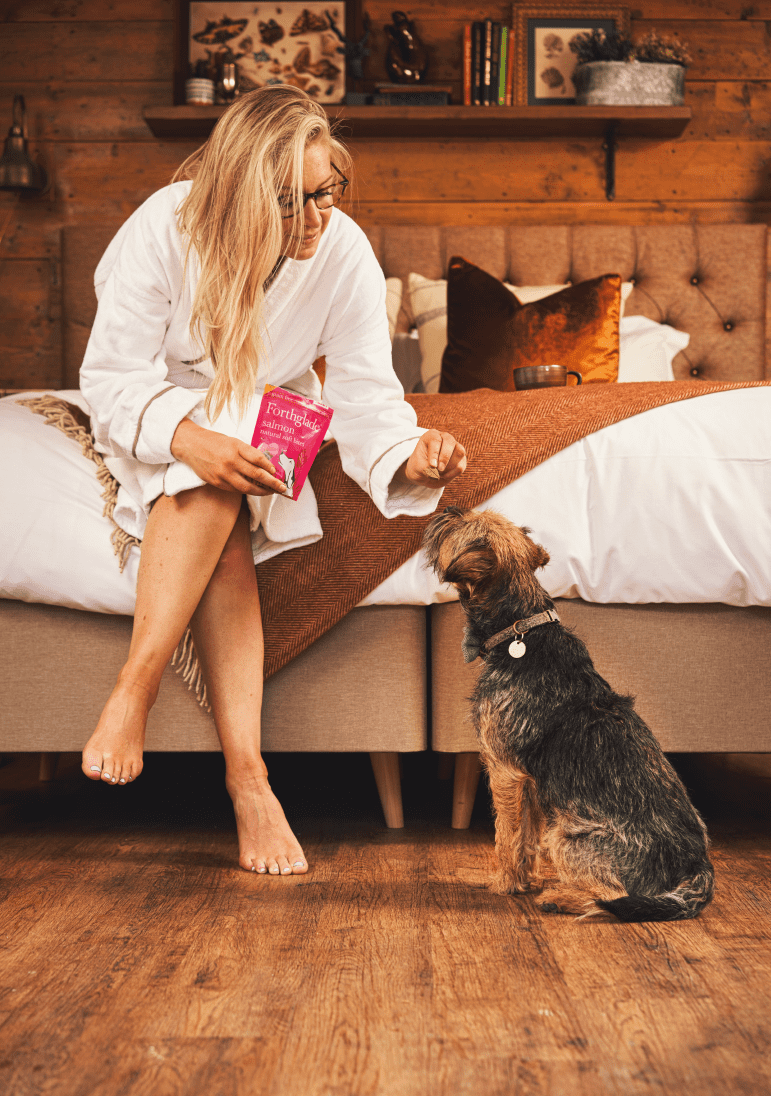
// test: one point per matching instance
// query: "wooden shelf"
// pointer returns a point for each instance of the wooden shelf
(655, 123)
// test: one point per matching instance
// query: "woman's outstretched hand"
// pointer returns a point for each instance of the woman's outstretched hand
(225, 462)
(438, 452)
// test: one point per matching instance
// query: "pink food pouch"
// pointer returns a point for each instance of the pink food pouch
(290, 429)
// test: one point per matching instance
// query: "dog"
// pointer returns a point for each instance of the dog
(576, 776)
(287, 464)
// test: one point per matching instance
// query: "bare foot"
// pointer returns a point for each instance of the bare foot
(266, 843)
(113, 753)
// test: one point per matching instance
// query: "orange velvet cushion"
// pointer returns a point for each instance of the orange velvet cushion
(490, 334)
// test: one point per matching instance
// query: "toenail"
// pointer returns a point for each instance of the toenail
(95, 769)
(253, 868)
(122, 780)
(285, 870)
(299, 864)
(262, 870)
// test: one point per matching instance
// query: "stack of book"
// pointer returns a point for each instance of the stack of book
(488, 54)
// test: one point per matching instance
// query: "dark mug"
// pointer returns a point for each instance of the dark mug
(543, 376)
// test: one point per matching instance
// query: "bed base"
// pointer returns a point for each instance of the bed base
(59, 666)
(700, 675)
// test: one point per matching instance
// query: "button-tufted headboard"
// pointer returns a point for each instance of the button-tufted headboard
(708, 280)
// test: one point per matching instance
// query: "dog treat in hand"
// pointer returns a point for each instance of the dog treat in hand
(290, 429)
(432, 473)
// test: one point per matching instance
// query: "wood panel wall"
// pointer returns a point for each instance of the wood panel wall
(87, 67)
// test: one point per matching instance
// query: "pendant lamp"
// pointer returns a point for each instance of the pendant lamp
(18, 171)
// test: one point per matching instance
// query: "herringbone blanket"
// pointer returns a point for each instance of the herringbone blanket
(304, 592)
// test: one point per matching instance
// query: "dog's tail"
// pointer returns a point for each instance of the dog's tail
(685, 901)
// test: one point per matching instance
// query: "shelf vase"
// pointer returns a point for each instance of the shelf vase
(629, 83)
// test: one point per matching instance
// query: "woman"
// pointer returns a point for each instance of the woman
(241, 271)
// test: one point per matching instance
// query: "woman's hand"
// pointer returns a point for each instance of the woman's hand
(435, 450)
(225, 462)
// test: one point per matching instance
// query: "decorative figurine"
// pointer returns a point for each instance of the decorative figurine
(355, 52)
(406, 59)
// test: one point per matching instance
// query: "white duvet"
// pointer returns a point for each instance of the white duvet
(673, 505)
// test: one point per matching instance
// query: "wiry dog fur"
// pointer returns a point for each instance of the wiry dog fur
(576, 776)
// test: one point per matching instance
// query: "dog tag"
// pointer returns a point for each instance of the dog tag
(517, 648)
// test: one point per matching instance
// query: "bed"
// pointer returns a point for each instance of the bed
(694, 653)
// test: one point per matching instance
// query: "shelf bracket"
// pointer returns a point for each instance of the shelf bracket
(609, 147)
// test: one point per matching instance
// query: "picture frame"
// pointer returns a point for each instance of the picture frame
(291, 41)
(543, 62)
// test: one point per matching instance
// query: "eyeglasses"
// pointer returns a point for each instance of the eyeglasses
(326, 198)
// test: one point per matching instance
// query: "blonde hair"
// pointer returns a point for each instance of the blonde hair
(233, 223)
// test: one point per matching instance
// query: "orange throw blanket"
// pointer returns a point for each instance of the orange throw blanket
(304, 592)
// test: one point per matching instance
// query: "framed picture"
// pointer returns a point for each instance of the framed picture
(300, 42)
(544, 61)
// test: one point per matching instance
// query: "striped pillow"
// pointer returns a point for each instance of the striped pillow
(394, 291)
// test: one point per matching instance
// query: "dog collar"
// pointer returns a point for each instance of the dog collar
(516, 632)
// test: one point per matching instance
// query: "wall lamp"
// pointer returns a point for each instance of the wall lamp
(18, 171)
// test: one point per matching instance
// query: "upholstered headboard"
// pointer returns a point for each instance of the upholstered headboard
(708, 280)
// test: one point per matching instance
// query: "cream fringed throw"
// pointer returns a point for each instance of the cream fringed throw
(75, 423)
(305, 591)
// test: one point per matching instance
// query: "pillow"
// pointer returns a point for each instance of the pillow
(405, 354)
(55, 540)
(428, 305)
(489, 334)
(647, 349)
(393, 303)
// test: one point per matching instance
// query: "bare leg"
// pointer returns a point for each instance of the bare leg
(227, 628)
(183, 541)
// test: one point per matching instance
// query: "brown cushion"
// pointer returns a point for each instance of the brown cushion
(490, 334)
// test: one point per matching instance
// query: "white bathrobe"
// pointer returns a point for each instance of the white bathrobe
(139, 382)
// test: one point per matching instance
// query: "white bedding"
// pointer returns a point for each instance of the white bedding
(673, 505)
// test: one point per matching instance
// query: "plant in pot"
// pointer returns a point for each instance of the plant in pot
(613, 70)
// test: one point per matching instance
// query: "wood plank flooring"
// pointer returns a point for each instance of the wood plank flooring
(136, 959)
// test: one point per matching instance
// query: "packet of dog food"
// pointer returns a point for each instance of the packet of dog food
(290, 429)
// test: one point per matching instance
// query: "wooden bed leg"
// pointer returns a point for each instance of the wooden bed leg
(386, 769)
(446, 766)
(48, 763)
(467, 770)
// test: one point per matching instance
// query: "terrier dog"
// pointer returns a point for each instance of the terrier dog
(576, 776)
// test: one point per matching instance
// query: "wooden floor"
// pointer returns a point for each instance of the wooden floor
(136, 958)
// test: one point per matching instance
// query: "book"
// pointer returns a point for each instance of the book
(467, 65)
(487, 61)
(495, 62)
(477, 49)
(510, 69)
(502, 66)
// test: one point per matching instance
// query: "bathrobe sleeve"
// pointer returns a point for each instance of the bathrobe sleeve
(134, 407)
(375, 429)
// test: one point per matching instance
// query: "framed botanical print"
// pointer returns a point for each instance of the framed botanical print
(544, 61)
(300, 42)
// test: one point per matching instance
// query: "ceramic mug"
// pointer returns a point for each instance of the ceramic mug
(199, 90)
(543, 376)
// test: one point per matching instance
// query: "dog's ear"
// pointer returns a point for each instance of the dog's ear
(540, 556)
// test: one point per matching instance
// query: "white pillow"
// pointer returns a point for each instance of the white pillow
(647, 349)
(428, 305)
(54, 540)
(393, 303)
